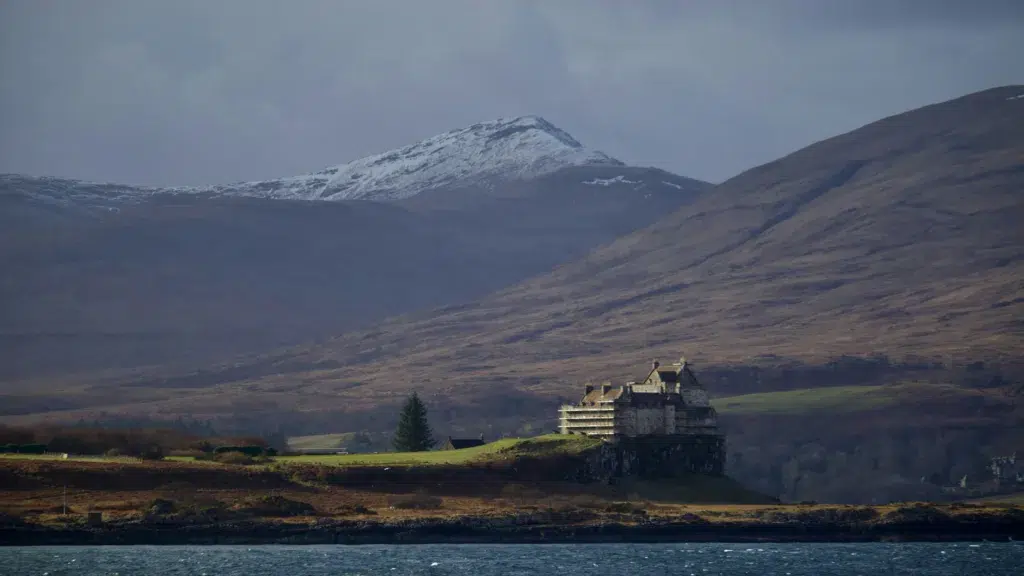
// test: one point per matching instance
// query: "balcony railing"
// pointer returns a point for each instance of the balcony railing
(592, 416)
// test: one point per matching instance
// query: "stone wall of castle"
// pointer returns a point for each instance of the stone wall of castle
(662, 456)
(652, 420)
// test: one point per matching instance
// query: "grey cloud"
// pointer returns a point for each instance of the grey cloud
(191, 92)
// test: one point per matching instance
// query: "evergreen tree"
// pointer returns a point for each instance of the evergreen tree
(413, 433)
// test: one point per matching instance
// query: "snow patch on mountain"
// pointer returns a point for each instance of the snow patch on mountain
(510, 148)
(620, 179)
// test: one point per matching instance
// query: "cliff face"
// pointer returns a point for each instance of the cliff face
(650, 458)
(656, 457)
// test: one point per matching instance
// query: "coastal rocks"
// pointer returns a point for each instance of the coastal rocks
(815, 517)
(162, 506)
(916, 514)
(526, 528)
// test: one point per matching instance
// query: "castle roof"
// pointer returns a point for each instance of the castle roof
(604, 394)
(664, 378)
(669, 376)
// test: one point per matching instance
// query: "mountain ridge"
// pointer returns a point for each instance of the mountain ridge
(188, 279)
(900, 238)
(506, 149)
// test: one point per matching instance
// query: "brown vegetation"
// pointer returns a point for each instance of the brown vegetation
(150, 443)
(31, 493)
(899, 238)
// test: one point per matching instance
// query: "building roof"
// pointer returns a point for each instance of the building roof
(596, 395)
(460, 443)
(668, 376)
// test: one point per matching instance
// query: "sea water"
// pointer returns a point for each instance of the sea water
(523, 559)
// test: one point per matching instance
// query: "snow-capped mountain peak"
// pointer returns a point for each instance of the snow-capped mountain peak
(511, 148)
(517, 148)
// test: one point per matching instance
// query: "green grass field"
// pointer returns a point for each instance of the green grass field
(508, 448)
(320, 441)
(837, 399)
(79, 458)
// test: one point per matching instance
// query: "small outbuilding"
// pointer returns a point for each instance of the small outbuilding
(460, 443)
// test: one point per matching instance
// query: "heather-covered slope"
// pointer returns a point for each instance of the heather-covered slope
(193, 279)
(901, 238)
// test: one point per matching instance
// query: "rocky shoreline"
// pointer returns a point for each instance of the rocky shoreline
(512, 530)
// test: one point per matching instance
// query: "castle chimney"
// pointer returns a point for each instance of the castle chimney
(605, 388)
(655, 364)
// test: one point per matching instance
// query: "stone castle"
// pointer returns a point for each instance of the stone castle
(669, 401)
(663, 425)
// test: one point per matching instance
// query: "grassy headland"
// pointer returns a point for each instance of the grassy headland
(464, 495)
(501, 450)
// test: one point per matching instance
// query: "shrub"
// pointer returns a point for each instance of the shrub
(162, 506)
(252, 451)
(152, 452)
(348, 510)
(693, 518)
(418, 501)
(520, 494)
(31, 449)
(189, 453)
(276, 505)
(625, 508)
(113, 453)
(234, 458)
(916, 514)
(586, 501)
(202, 446)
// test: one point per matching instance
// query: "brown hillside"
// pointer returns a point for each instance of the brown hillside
(191, 280)
(904, 237)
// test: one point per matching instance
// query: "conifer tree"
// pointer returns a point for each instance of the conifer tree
(413, 433)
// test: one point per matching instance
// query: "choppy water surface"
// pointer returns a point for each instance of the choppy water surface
(522, 560)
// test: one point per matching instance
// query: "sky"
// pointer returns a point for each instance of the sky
(196, 92)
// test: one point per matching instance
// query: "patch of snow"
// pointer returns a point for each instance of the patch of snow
(1017, 97)
(609, 181)
(672, 184)
(517, 148)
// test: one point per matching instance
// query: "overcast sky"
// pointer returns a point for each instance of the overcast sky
(215, 91)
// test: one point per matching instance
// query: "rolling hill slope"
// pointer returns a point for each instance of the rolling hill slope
(902, 238)
(102, 276)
